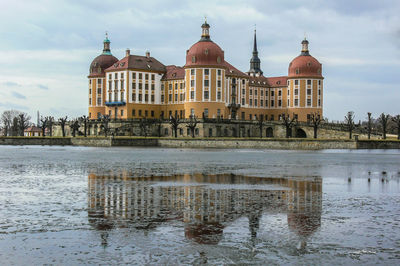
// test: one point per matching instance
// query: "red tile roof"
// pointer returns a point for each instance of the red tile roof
(137, 62)
(233, 71)
(268, 82)
(174, 72)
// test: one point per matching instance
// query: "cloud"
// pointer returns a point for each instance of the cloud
(11, 84)
(43, 87)
(18, 95)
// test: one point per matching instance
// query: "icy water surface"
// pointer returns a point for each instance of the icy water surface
(78, 205)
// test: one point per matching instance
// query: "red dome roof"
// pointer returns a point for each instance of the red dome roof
(305, 66)
(100, 63)
(205, 53)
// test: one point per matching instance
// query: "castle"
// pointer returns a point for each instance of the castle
(206, 86)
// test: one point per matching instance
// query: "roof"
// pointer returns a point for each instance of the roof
(174, 72)
(204, 53)
(33, 129)
(305, 66)
(233, 71)
(270, 82)
(137, 62)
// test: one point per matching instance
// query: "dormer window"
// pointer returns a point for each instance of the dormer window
(218, 59)
(193, 59)
(297, 71)
(206, 51)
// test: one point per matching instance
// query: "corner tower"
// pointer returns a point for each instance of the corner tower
(255, 62)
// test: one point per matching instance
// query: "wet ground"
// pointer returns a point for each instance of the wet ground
(79, 205)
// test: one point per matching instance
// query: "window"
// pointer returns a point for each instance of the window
(296, 102)
(152, 98)
(140, 86)
(170, 86)
(206, 71)
(219, 72)
(296, 91)
(90, 101)
(152, 113)
(251, 102)
(279, 93)
(116, 76)
(279, 102)
(98, 101)
(266, 103)
(146, 86)
(146, 113)
(255, 92)
(266, 92)
(152, 77)
(152, 87)
(122, 112)
(295, 116)
(133, 112)
(109, 85)
(176, 97)
(122, 75)
(218, 112)
(181, 86)
(176, 86)
(250, 116)
(99, 81)
(210, 132)
(181, 97)
(122, 84)
(308, 102)
(133, 76)
(288, 103)
(146, 76)
(243, 81)
(133, 86)
(243, 101)
(296, 82)
(122, 96)
(162, 114)
(109, 96)
(192, 111)
(206, 82)
(206, 95)
(109, 76)
(192, 72)
(162, 98)
(115, 96)
(170, 97)
(319, 102)
(192, 83)
(218, 83)
(262, 92)
(319, 82)
(243, 91)
(251, 92)
(140, 76)
(219, 95)
(162, 87)
(192, 95)
(109, 113)
(308, 81)
(206, 112)
(116, 85)
(272, 117)
(140, 97)
(255, 102)
(308, 91)
(261, 103)
(319, 92)
(272, 103)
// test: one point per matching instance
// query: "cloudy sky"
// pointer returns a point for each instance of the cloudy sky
(47, 45)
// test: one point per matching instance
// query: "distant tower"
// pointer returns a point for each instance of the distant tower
(106, 49)
(255, 62)
(205, 34)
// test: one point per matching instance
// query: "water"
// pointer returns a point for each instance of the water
(79, 205)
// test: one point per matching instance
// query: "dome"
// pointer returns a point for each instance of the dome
(305, 65)
(205, 53)
(100, 63)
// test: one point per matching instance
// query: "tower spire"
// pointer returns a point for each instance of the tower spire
(106, 43)
(205, 33)
(255, 62)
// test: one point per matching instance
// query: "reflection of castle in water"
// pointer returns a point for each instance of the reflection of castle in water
(206, 204)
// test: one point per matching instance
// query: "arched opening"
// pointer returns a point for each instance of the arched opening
(269, 132)
(300, 133)
(234, 134)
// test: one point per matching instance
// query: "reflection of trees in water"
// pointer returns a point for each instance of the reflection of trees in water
(205, 203)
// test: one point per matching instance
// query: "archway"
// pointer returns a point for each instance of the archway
(300, 133)
(269, 132)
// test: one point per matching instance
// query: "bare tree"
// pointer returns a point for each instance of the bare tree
(62, 121)
(383, 120)
(192, 124)
(50, 122)
(84, 119)
(349, 119)
(23, 122)
(75, 125)
(105, 119)
(396, 120)
(315, 120)
(260, 123)
(369, 124)
(159, 126)
(43, 125)
(288, 123)
(174, 121)
(7, 119)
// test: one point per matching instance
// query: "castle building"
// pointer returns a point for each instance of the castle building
(206, 86)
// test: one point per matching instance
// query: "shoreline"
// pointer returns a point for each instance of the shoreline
(221, 143)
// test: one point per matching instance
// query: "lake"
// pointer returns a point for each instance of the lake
(83, 205)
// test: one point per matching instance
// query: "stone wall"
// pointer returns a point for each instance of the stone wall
(378, 144)
(34, 141)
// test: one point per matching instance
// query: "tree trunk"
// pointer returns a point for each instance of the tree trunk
(315, 132)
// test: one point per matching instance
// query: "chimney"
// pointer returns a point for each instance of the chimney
(128, 52)
(147, 54)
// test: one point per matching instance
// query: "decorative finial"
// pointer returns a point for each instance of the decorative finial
(305, 36)
(205, 19)
(106, 35)
(255, 27)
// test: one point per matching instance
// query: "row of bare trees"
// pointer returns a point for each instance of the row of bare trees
(14, 122)
(383, 123)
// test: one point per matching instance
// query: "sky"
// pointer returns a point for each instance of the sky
(46, 46)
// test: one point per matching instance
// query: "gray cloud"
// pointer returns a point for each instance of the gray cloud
(43, 87)
(18, 95)
(11, 84)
